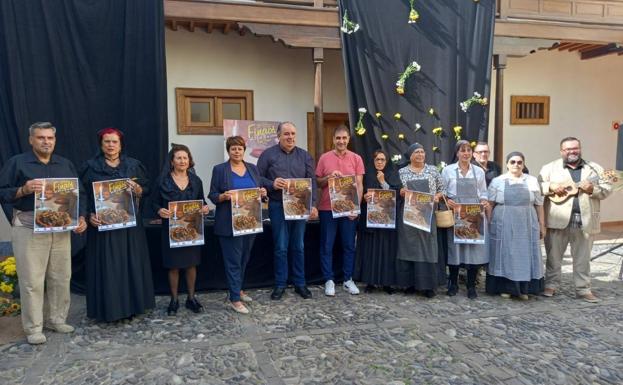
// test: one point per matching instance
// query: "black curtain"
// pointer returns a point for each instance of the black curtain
(619, 164)
(452, 41)
(84, 65)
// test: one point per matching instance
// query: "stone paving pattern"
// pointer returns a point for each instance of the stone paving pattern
(367, 339)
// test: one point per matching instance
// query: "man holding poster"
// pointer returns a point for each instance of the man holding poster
(337, 163)
(280, 164)
(43, 259)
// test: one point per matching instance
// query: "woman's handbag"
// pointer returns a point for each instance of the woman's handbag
(444, 218)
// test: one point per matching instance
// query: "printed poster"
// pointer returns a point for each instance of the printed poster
(246, 211)
(418, 210)
(259, 135)
(56, 206)
(381, 211)
(344, 197)
(297, 198)
(186, 223)
(469, 224)
(114, 204)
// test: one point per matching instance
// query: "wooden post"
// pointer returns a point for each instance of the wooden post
(318, 111)
(499, 63)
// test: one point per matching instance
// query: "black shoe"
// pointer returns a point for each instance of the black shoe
(471, 293)
(173, 306)
(368, 289)
(277, 293)
(389, 290)
(410, 290)
(303, 291)
(452, 290)
(429, 293)
(193, 305)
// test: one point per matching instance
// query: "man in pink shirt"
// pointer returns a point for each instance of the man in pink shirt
(338, 162)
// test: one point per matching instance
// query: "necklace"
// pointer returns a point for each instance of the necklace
(111, 159)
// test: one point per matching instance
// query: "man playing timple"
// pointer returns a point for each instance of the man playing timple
(481, 158)
(43, 260)
(336, 163)
(574, 220)
(278, 163)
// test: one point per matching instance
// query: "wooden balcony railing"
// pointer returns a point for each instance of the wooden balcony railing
(595, 12)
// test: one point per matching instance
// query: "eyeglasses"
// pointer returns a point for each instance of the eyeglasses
(571, 149)
(518, 162)
(380, 160)
(482, 152)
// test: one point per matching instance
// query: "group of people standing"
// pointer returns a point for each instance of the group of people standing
(118, 272)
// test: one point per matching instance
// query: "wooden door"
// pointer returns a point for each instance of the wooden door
(331, 121)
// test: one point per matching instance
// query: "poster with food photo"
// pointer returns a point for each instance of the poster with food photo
(56, 206)
(186, 223)
(470, 224)
(246, 211)
(381, 210)
(258, 135)
(418, 210)
(297, 198)
(114, 204)
(344, 197)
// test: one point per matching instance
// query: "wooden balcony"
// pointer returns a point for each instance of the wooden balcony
(570, 20)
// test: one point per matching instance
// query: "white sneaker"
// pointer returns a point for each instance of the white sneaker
(329, 288)
(351, 287)
(60, 328)
(36, 338)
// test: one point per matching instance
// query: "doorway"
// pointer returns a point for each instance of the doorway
(331, 121)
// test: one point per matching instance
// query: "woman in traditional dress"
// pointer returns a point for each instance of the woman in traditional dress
(465, 184)
(118, 269)
(178, 183)
(376, 248)
(515, 263)
(417, 260)
(234, 174)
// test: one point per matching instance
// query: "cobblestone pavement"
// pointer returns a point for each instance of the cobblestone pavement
(367, 339)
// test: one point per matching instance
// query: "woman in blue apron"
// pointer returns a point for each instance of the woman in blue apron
(515, 265)
(417, 265)
(465, 184)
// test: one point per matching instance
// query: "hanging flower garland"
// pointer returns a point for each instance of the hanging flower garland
(396, 158)
(475, 99)
(402, 79)
(359, 128)
(457, 132)
(348, 26)
(413, 14)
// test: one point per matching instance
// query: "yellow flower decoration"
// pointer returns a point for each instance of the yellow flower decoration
(484, 102)
(361, 131)
(457, 132)
(435, 149)
(401, 136)
(378, 114)
(431, 111)
(10, 270)
(6, 288)
(437, 131)
(397, 116)
(473, 143)
(384, 136)
(400, 90)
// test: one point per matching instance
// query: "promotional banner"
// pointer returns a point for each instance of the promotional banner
(246, 211)
(186, 223)
(381, 211)
(418, 210)
(258, 135)
(470, 224)
(114, 204)
(56, 207)
(297, 198)
(344, 197)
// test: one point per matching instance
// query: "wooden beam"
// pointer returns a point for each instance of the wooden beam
(499, 63)
(590, 47)
(209, 27)
(174, 25)
(318, 56)
(327, 3)
(191, 26)
(226, 28)
(601, 51)
(214, 10)
(298, 36)
(559, 31)
(579, 47)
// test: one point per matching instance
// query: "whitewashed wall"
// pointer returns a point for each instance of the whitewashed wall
(282, 80)
(586, 96)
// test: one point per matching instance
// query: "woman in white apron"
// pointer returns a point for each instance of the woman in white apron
(465, 184)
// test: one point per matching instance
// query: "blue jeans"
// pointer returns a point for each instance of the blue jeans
(328, 229)
(287, 236)
(236, 253)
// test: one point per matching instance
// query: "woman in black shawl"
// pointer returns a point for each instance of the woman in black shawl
(376, 248)
(118, 269)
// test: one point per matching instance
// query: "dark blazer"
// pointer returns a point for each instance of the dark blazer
(221, 182)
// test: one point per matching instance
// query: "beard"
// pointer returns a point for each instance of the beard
(573, 158)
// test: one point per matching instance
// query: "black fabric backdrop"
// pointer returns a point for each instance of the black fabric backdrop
(452, 41)
(84, 65)
(619, 164)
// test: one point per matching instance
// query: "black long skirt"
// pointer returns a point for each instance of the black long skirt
(499, 285)
(118, 274)
(375, 263)
(180, 257)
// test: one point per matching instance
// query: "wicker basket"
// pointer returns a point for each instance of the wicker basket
(444, 218)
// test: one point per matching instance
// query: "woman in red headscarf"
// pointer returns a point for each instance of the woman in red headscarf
(118, 270)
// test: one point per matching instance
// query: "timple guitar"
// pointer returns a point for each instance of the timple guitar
(611, 177)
